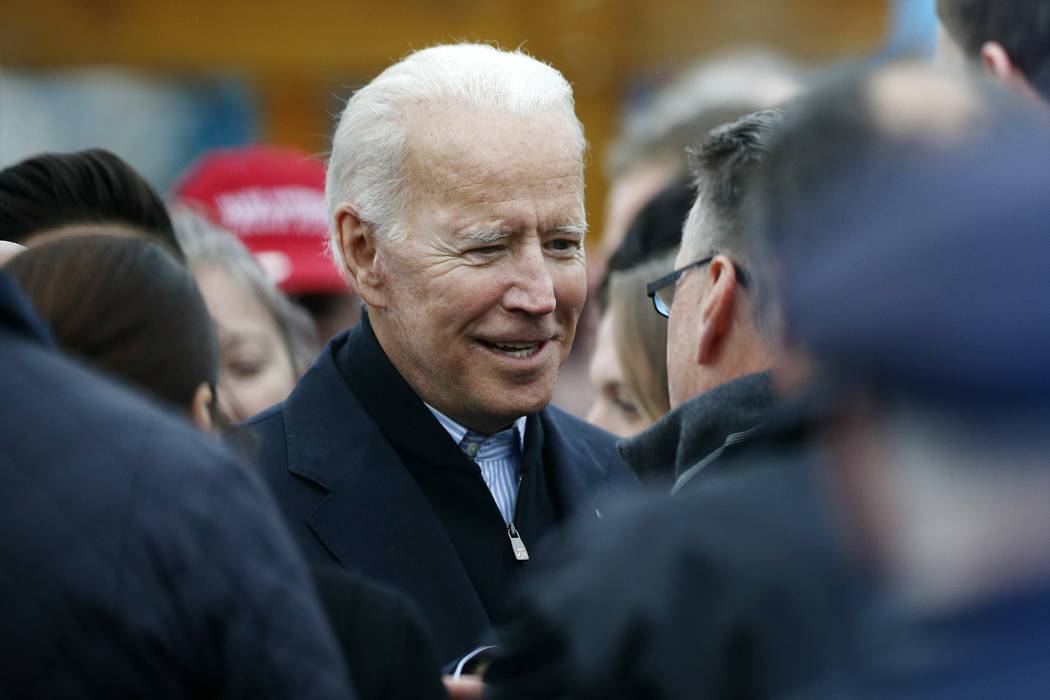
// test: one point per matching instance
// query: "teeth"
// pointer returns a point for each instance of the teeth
(516, 349)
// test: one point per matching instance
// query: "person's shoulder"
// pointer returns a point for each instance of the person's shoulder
(50, 395)
(590, 443)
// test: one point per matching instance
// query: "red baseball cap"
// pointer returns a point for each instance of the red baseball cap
(273, 199)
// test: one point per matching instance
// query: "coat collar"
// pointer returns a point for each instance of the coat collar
(333, 442)
(327, 429)
(374, 518)
(691, 432)
(330, 433)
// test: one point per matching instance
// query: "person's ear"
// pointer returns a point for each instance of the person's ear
(357, 245)
(716, 310)
(200, 407)
(996, 61)
(998, 64)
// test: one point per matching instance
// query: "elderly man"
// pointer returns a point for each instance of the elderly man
(420, 449)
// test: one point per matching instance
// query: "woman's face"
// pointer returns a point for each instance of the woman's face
(257, 369)
(614, 409)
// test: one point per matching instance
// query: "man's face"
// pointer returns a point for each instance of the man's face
(481, 298)
(684, 374)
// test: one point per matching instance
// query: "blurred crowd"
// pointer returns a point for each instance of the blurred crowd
(291, 428)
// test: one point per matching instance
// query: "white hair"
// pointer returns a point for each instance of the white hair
(369, 147)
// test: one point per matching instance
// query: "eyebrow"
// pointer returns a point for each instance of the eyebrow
(578, 230)
(492, 235)
(487, 235)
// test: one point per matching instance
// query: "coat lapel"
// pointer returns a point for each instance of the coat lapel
(374, 518)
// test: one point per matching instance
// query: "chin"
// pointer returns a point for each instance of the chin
(525, 404)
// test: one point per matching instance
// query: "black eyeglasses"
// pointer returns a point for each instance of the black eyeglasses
(662, 290)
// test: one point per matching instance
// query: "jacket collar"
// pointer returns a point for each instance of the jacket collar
(334, 442)
(395, 408)
(330, 435)
(698, 427)
(327, 429)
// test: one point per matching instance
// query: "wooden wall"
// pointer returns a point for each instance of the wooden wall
(300, 54)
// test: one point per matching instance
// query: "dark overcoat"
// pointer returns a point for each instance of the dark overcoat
(139, 558)
(349, 497)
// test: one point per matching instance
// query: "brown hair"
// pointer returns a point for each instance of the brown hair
(125, 306)
(93, 187)
(640, 335)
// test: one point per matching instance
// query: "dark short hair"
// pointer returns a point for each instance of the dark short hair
(1022, 27)
(125, 306)
(724, 167)
(88, 187)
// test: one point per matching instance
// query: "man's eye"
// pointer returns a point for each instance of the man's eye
(486, 250)
(563, 244)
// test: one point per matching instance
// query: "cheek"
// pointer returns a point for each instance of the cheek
(674, 344)
(454, 304)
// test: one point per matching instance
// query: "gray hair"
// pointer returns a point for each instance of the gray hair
(204, 243)
(725, 166)
(369, 146)
(718, 90)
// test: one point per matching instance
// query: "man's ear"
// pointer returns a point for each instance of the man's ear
(716, 310)
(200, 407)
(357, 246)
(998, 64)
(996, 61)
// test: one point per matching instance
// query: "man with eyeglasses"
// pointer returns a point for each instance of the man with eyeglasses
(718, 351)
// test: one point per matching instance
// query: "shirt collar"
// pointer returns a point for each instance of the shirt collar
(458, 431)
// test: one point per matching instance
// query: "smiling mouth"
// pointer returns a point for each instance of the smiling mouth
(518, 350)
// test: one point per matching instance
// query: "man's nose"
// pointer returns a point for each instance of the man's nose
(532, 285)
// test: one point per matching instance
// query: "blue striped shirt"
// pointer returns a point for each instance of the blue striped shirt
(498, 456)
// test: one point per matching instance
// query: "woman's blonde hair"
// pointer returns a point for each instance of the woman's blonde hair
(640, 334)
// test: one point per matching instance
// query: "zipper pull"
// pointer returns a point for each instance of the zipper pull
(516, 543)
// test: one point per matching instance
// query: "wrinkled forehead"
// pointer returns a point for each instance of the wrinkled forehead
(454, 149)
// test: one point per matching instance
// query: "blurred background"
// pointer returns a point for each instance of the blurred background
(159, 82)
